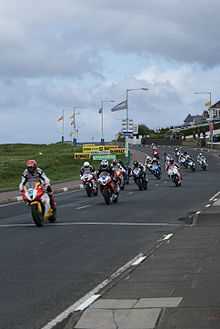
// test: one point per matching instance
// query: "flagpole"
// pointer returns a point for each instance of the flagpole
(62, 139)
(102, 122)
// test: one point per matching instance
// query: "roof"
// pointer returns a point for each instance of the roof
(215, 106)
(191, 118)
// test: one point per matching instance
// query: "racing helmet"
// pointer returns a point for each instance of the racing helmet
(135, 163)
(104, 164)
(31, 165)
(86, 164)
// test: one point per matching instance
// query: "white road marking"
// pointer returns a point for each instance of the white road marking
(90, 295)
(138, 224)
(208, 205)
(167, 237)
(65, 189)
(139, 260)
(214, 196)
(88, 302)
(9, 204)
(83, 207)
(198, 212)
(130, 193)
(19, 198)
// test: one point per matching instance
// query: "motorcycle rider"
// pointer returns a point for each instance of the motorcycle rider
(137, 164)
(172, 164)
(87, 168)
(106, 168)
(200, 157)
(33, 173)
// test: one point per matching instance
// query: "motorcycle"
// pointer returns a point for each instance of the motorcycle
(119, 177)
(203, 163)
(89, 184)
(140, 179)
(35, 196)
(191, 164)
(175, 176)
(155, 169)
(105, 183)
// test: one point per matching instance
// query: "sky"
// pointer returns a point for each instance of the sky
(59, 55)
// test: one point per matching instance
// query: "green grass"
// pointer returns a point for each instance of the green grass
(56, 159)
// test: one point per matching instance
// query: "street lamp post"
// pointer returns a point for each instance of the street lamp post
(127, 119)
(102, 116)
(210, 116)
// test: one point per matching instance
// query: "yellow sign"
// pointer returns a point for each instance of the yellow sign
(82, 156)
(95, 148)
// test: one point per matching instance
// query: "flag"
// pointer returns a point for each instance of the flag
(121, 106)
(208, 104)
(60, 118)
(72, 123)
(100, 110)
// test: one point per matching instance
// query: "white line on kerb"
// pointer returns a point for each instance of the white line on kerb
(91, 296)
(167, 237)
(139, 260)
(214, 196)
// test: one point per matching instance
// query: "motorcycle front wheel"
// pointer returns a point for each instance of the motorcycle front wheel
(107, 197)
(37, 215)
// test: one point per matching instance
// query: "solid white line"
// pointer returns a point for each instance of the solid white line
(88, 302)
(91, 223)
(214, 196)
(83, 207)
(139, 260)
(208, 205)
(94, 292)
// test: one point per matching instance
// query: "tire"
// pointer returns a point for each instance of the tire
(53, 217)
(96, 192)
(193, 169)
(115, 200)
(107, 197)
(145, 184)
(36, 215)
(89, 192)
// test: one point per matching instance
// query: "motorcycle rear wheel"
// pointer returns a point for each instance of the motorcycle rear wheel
(37, 216)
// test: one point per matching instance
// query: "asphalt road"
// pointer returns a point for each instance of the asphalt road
(44, 270)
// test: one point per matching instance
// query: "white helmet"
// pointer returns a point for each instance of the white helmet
(104, 163)
(86, 164)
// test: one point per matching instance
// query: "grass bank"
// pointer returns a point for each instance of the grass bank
(56, 159)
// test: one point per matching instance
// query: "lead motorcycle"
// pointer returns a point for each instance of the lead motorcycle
(140, 179)
(89, 184)
(37, 199)
(155, 170)
(105, 183)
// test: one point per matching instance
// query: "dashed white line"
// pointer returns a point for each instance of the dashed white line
(214, 196)
(139, 260)
(167, 237)
(83, 207)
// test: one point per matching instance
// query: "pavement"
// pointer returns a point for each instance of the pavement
(149, 261)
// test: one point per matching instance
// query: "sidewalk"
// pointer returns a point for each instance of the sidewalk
(177, 286)
(13, 196)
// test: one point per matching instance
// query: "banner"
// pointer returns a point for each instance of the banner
(121, 106)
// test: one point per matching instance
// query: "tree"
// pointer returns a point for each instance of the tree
(143, 130)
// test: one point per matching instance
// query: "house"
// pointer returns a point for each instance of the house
(214, 111)
(194, 120)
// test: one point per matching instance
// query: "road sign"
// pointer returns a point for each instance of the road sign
(100, 157)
